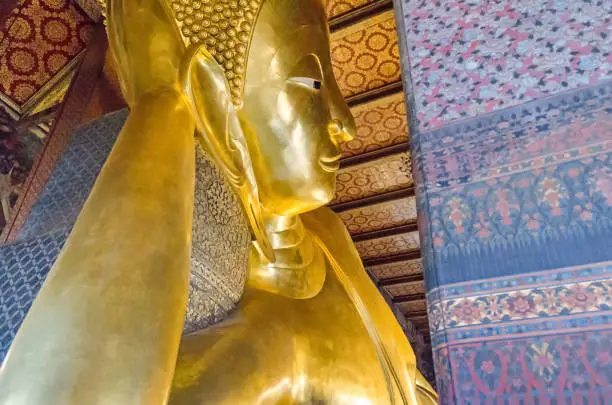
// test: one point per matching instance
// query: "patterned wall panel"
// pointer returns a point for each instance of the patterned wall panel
(24, 269)
(396, 269)
(337, 7)
(473, 57)
(218, 266)
(380, 216)
(375, 177)
(412, 306)
(366, 56)
(42, 37)
(388, 245)
(412, 288)
(381, 122)
(514, 166)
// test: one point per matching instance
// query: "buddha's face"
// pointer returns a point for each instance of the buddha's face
(293, 115)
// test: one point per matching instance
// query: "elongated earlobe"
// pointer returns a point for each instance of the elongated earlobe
(220, 134)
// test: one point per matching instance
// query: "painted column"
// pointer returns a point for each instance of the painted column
(511, 135)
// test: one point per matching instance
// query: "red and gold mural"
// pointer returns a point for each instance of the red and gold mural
(39, 39)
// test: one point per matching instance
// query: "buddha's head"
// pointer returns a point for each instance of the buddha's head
(265, 97)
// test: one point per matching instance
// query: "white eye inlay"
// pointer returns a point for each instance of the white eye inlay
(307, 81)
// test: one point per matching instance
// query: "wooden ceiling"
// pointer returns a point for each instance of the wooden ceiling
(375, 194)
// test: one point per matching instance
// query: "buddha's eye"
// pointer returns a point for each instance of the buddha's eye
(307, 82)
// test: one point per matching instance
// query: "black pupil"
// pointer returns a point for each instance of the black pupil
(316, 84)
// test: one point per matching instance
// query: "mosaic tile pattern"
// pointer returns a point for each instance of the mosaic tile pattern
(388, 245)
(396, 269)
(218, 265)
(41, 37)
(472, 57)
(63, 196)
(380, 216)
(374, 177)
(366, 56)
(412, 288)
(380, 123)
(24, 268)
(221, 242)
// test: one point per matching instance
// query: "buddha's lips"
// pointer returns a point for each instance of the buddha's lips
(330, 164)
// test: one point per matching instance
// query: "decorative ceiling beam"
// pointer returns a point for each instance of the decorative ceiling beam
(381, 233)
(400, 280)
(379, 92)
(411, 255)
(374, 154)
(408, 298)
(415, 314)
(374, 199)
(351, 17)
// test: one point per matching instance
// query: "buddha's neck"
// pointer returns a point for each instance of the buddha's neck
(293, 247)
(299, 266)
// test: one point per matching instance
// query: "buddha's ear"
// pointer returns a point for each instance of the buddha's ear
(203, 81)
(220, 133)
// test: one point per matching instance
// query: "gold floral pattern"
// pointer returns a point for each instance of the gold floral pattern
(380, 216)
(374, 177)
(380, 123)
(366, 56)
(396, 269)
(388, 245)
(412, 288)
(337, 7)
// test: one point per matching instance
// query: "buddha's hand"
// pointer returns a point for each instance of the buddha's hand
(146, 45)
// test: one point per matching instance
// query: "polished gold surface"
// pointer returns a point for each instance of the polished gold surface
(311, 328)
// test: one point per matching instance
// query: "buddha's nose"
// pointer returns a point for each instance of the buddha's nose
(342, 128)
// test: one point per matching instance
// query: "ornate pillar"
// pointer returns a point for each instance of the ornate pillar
(511, 132)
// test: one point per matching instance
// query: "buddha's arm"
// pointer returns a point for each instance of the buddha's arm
(374, 310)
(425, 393)
(106, 325)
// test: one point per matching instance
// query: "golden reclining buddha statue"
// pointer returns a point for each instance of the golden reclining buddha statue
(253, 79)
